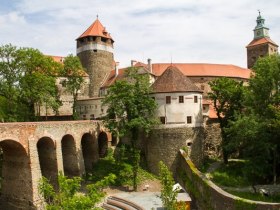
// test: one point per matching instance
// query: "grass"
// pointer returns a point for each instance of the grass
(257, 196)
(230, 175)
(122, 169)
(206, 164)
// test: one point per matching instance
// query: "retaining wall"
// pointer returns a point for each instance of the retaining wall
(209, 196)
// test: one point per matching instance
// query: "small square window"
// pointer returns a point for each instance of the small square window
(195, 99)
(168, 99)
(189, 119)
(181, 99)
(162, 120)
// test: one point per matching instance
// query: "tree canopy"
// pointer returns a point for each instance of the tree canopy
(74, 72)
(252, 128)
(27, 78)
(227, 96)
(130, 109)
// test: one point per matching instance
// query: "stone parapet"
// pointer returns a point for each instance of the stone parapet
(209, 196)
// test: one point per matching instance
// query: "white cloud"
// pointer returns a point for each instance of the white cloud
(215, 31)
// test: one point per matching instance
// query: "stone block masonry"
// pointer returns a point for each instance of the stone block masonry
(209, 196)
(163, 144)
(33, 150)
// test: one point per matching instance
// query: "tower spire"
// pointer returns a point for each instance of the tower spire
(260, 30)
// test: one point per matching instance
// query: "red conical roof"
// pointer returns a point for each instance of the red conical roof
(96, 29)
(173, 80)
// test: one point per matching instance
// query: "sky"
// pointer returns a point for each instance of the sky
(175, 31)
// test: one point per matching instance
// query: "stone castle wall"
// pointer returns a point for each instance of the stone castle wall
(213, 139)
(163, 144)
(29, 149)
(206, 195)
(98, 65)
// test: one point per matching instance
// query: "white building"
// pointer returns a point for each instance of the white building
(179, 100)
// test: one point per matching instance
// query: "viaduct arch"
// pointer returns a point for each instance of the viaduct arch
(36, 149)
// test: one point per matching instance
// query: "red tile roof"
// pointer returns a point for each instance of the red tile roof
(204, 69)
(58, 59)
(263, 40)
(173, 80)
(96, 29)
(110, 80)
(212, 112)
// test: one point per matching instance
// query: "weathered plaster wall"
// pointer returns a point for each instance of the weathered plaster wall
(177, 113)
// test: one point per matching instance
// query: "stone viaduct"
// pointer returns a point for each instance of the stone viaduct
(36, 149)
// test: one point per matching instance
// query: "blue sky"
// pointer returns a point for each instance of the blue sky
(186, 31)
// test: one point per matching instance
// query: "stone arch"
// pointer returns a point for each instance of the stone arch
(102, 144)
(69, 156)
(16, 183)
(90, 151)
(48, 161)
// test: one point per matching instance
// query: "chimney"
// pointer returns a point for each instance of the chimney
(117, 68)
(133, 62)
(150, 68)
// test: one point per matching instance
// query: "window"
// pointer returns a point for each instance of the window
(168, 99)
(189, 119)
(162, 120)
(181, 99)
(195, 99)
(202, 87)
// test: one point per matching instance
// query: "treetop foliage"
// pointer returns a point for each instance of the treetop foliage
(129, 104)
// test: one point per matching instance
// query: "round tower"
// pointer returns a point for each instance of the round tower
(95, 50)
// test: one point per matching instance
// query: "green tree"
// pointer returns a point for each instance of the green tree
(37, 84)
(256, 130)
(265, 102)
(227, 96)
(167, 194)
(27, 78)
(74, 72)
(130, 109)
(10, 73)
(69, 196)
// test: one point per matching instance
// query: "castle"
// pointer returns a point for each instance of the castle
(180, 89)
(95, 50)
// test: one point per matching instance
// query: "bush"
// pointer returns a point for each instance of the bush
(69, 196)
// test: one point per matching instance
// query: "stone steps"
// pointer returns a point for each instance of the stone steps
(116, 203)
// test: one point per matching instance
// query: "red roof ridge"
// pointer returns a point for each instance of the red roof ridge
(173, 80)
(205, 69)
(260, 41)
(96, 29)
